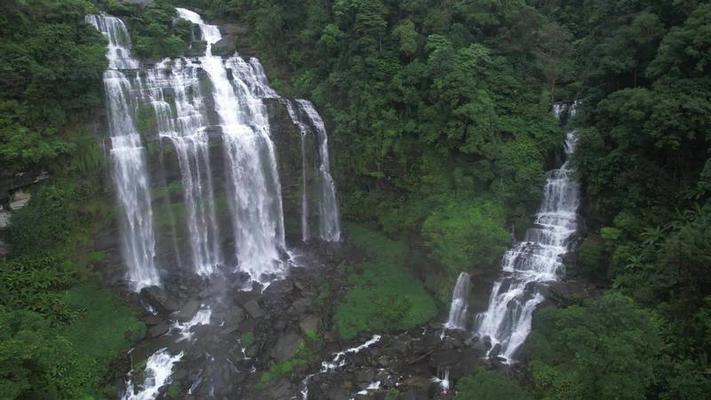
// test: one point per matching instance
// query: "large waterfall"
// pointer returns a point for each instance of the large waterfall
(257, 215)
(202, 106)
(537, 259)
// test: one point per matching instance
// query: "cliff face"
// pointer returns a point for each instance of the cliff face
(167, 179)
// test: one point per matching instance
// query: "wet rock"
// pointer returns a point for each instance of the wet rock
(338, 393)
(237, 314)
(279, 325)
(19, 199)
(160, 300)
(565, 293)
(301, 305)
(282, 389)
(460, 362)
(188, 311)
(286, 346)
(225, 47)
(309, 324)
(495, 350)
(158, 330)
(197, 48)
(253, 308)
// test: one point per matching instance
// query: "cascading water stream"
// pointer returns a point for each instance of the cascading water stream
(460, 303)
(257, 215)
(128, 157)
(535, 260)
(309, 122)
(181, 121)
(176, 104)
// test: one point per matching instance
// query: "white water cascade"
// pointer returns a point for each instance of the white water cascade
(535, 260)
(184, 125)
(159, 368)
(460, 303)
(257, 215)
(309, 122)
(128, 157)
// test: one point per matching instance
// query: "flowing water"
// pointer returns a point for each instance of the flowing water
(159, 368)
(128, 157)
(460, 303)
(257, 215)
(182, 122)
(535, 260)
(208, 115)
(323, 203)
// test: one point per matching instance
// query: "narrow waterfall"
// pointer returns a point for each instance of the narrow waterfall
(324, 202)
(460, 303)
(535, 260)
(184, 125)
(128, 157)
(257, 215)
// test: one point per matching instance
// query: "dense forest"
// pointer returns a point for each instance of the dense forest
(441, 132)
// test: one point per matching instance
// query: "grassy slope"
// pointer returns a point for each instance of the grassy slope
(382, 295)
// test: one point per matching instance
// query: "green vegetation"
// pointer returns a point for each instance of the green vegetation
(489, 385)
(605, 348)
(465, 235)
(59, 333)
(382, 294)
(247, 339)
(306, 353)
(155, 30)
(433, 107)
(51, 64)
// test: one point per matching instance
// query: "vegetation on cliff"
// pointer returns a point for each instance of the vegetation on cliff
(58, 331)
(442, 130)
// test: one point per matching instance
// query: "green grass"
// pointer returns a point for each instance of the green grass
(104, 329)
(383, 295)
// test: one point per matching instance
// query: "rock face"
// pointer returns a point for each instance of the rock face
(225, 47)
(286, 346)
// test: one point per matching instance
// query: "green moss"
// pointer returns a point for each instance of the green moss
(173, 391)
(383, 295)
(286, 367)
(247, 339)
(146, 120)
(165, 214)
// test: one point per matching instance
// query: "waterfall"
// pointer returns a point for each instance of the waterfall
(309, 122)
(460, 303)
(159, 368)
(535, 260)
(187, 97)
(128, 157)
(257, 215)
(181, 121)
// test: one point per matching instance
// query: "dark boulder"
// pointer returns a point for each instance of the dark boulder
(225, 47)
(286, 346)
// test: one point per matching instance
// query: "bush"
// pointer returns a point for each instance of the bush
(464, 236)
(604, 349)
(47, 221)
(489, 385)
(382, 293)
